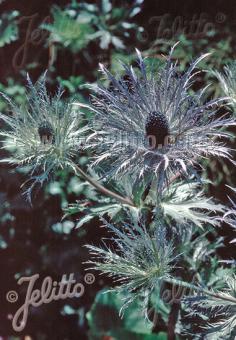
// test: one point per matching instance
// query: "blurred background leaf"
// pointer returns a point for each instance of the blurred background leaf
(8, 27)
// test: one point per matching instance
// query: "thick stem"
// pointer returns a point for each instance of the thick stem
(178, 174)
(107, 192)
(201, 290)
(173, 318)
(103, 190)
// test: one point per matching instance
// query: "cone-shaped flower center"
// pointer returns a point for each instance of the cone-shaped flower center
(45, 132)
(157, 129)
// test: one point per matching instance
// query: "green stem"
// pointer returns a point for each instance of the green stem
(103, 190)
(201, 290)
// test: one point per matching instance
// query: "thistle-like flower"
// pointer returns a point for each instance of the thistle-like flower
(140, 261)
(217, 311)
(45, 135)
(151, 123)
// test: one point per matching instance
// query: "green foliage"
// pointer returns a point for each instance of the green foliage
(95, 206)
(78, 24)
(8, 28)
(13, 90)
(73, 85)
(188, 48)
(71, 32)
(101, 209)
(104, 320)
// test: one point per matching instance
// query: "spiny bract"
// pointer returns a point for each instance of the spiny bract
(140, 261)
(46, 133)
(227, 81)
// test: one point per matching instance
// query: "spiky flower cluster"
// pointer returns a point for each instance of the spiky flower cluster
(152, 124)
(45, 134)
(142, 258)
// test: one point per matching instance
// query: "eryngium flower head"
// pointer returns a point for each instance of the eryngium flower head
(141, 260)
(151, 123)
(45, 134)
